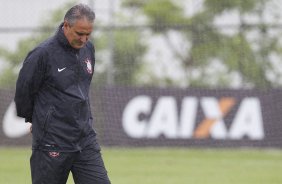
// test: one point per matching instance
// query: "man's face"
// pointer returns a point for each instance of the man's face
(79, 33)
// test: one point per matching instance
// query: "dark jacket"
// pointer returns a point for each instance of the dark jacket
(52, 92)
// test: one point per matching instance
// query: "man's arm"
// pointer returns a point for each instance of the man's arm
(29, 81)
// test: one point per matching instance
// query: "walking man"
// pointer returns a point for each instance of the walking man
(52, 93)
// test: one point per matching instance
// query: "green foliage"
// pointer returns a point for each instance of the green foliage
(127, 52)
(127, 57)
(250, 59)
(163, 12)
(14, 58)
(126, 60)
(219, 6)
(133, 3)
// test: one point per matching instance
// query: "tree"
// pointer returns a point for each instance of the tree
(208, 56)
(127, 52)
(213, 58)
(14, 59)
(124, 53)
(126, 59)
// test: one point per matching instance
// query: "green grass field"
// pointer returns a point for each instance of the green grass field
(166, 166)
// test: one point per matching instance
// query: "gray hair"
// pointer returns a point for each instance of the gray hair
(79, 11)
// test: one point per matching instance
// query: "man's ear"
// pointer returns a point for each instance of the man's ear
(66, 24)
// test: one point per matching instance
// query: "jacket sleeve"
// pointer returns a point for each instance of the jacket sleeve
(29, 82)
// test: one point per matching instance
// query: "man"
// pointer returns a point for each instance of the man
(52, 93)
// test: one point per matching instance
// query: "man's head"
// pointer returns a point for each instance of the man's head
(78, 25)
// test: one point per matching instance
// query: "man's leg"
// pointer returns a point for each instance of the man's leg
(89, 168)
(50, 167)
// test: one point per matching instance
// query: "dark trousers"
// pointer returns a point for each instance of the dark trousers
(49, 167)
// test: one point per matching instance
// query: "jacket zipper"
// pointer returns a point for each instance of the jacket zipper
(78, 73)
(79, 88)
